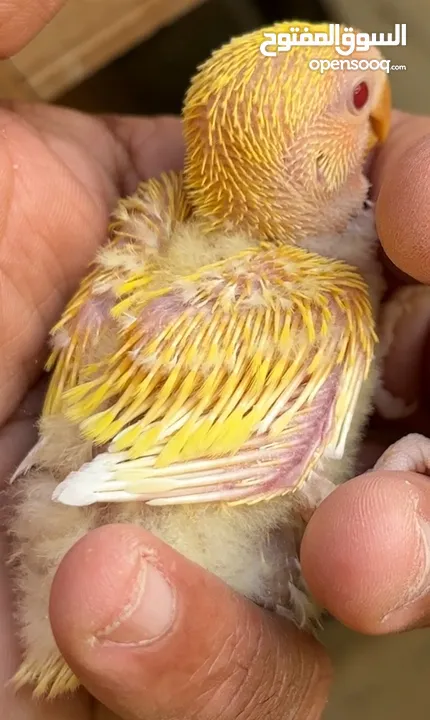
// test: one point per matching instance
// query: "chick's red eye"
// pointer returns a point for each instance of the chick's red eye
(360, 95)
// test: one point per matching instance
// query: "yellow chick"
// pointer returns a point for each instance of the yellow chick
(214, 371)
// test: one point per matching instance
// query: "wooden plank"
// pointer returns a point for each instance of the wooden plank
(88, 34)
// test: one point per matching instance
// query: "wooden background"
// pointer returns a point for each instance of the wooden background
(82, 38)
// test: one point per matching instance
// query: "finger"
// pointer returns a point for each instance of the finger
(401, 180)
(152, 635)
(21, 20)
(152, 146)
(366, 552)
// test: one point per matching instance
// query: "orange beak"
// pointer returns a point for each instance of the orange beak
(380, 118)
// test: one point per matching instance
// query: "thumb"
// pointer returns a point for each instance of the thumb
(152, 635)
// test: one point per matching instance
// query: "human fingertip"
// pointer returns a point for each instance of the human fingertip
(403, 209)
(366, 550)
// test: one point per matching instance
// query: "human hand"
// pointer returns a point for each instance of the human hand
(222, 657)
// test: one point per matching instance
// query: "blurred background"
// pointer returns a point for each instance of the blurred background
(137, 56)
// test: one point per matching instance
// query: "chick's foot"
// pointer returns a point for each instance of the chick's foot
(409, 454)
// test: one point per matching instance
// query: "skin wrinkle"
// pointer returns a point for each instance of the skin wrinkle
(310, 677)
(209, 666)
(223, 695)
(266, 693)
(227, 657)
(259, 669)
(255, 667)
(267, 677)
(300, 700)
(299, 671)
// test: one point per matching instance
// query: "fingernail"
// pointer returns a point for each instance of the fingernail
(149, 612)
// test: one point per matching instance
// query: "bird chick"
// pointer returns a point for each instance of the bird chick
(213, 374)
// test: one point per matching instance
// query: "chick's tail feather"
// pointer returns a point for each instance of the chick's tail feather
(48, 680)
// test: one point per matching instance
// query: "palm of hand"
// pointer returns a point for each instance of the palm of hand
(61, 173)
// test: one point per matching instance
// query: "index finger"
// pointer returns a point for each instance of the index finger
(21, 20)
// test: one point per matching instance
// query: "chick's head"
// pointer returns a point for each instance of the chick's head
(277, 149)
